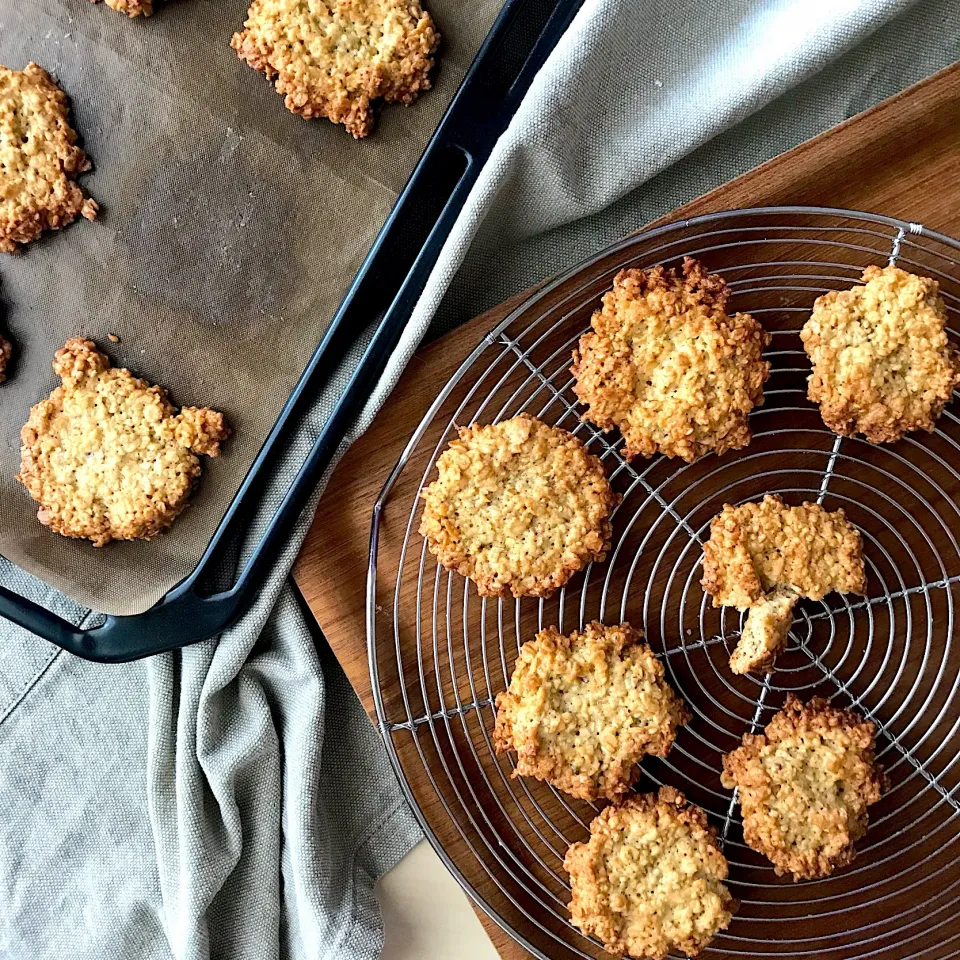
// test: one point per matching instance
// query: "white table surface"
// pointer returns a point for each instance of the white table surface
(426, 915)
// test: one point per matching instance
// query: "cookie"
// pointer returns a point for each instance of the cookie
(6, 350)
(107, 456)
(667, 365)
(882, 363)
(518, 507)
(757, 549)
(581, 710)
(333, 59)
(39, 159)
(650, 879)
(765, 632)
(804, 786)
(132, 8)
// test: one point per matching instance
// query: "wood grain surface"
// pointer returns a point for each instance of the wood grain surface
(901, 158)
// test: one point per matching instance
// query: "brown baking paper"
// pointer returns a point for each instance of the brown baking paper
(229, 231)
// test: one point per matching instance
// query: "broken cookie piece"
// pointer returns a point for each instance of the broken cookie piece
(333, 59)
(39, 159)
(764, 633)
(107, 456)
(762, 557)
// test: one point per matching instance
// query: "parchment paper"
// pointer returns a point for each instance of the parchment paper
(229, 231)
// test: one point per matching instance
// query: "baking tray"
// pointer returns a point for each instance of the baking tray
(383, 294)
(439, 655)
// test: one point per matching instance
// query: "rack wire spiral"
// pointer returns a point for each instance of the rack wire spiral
(439, 654)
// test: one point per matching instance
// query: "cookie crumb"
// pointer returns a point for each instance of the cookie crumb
(113, 338)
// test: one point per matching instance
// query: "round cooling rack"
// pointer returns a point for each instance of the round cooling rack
(439, 654)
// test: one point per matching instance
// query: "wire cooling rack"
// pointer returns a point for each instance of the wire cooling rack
(439, 654)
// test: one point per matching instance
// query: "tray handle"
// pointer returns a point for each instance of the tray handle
(388, 286)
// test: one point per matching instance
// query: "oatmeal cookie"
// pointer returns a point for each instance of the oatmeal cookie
(132, 8)
(651, 878)
(765, 631)
(518, 507)
(6, 350)
(332, 59)
(39, 159)
(582, 709)
(760, 555)
(805, 784)
(669, 367)
(107, 456)
(882, 363)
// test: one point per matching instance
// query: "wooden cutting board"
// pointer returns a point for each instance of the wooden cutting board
(901, 158)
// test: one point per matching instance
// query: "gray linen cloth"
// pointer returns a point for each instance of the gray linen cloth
(231, 800)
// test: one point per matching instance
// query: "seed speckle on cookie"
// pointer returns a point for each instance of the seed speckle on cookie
(518, 506)
(882, 362)
(332, 59)
(39, 159)
(650, 880)
(666, 364)
(762, 557)
(107, 456)
(804, 786)
(582, 710)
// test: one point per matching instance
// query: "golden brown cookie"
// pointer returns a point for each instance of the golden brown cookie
(650, 879)
(333, 59)
(518, 507)
(107, 456)
(39, 159)
(132, 8)
(765, 631)
(756, 548)
(581, 710)
(669, 367)
(805, 784)
(6, 350)
(882, 363)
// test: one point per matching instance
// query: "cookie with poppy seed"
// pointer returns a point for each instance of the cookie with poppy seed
(518, 506)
